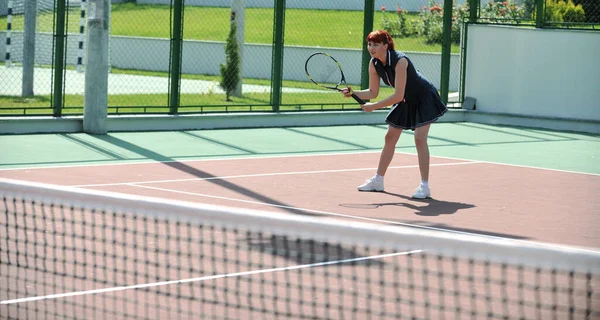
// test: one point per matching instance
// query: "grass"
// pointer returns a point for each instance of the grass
(130, 103)
(303, 27)
(157, 103)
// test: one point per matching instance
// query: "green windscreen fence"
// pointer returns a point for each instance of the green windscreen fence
(173, 57)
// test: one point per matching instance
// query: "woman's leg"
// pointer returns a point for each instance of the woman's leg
(389, 147)
(421, 134)
(376, 182)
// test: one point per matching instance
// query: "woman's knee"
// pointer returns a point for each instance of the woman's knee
(421, 134)
(392, 135)
(420, 140)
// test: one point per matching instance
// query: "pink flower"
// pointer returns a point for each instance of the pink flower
(435, 8)
(382, 8)
(399, 11)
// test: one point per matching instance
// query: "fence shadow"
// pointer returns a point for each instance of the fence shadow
(308, 251)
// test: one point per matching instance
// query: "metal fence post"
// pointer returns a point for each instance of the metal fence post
(175, 68)
(59, 58)
(473, 10)
(446, 50)
(277, 64)
(539, 13)
(368, 27)
(473, 15)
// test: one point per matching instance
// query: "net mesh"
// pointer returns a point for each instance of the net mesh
(75, 254)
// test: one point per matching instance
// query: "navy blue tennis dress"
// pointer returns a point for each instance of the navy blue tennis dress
(422, 103)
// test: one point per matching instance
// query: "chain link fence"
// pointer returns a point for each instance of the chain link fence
(139, 57)
(418, 31)
(226, 59)
(308, 31)
(579, 14)
(222, 56)
(27, 46)
(572, 13)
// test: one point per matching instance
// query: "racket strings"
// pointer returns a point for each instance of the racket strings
(324, 70)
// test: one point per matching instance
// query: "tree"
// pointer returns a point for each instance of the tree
(231, 69)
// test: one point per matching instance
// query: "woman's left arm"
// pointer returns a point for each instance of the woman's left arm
(398, 95)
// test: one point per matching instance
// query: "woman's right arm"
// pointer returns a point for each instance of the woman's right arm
(373, 91)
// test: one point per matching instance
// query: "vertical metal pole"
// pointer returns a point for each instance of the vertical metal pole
(81, 36)
(176, 43)
(277, 65)
(9, 14)
(367, 28)
(59, 57)
(463, 60)
(109, 31)
(29, 48)
(539, 13)
(473, 10)
(473, 15)
(446, 46)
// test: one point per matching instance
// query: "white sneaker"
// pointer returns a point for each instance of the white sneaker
(372, 184)
(422, 192)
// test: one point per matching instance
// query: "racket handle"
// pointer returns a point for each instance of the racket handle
(359, 100)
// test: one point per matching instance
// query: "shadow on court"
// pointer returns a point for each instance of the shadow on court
(308, 251)
(425, 207)
(199, 173)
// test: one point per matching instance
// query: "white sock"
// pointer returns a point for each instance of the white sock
(378, 177)
(425, 183)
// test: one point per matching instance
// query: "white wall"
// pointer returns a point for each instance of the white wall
(204, 57)
(43, 48)
(3, 8)
(534, 72)
(18, 6)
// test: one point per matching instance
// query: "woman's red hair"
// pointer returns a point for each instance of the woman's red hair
(381, 36)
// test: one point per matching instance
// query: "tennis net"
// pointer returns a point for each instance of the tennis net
(70, 253)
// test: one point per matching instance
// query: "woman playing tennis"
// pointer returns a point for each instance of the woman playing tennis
(415, 105)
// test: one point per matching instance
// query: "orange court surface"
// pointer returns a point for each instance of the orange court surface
(468, 196)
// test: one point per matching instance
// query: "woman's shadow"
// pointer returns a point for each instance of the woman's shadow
(422, 207)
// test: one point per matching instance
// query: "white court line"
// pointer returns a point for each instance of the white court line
(264, 175)
(213, 277)
(290, 156)
(389, 222)
(513, 165)
(247, 157)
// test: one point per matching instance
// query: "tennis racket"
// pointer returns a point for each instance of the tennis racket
(326, 72)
